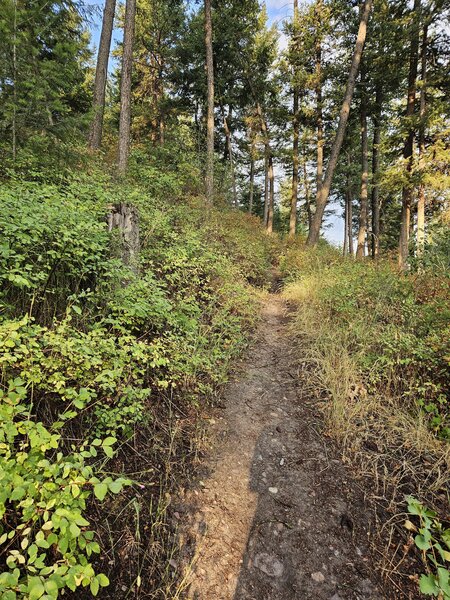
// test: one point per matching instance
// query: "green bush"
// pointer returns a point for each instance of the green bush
(87, 348)
(54, 244)
(43, 493)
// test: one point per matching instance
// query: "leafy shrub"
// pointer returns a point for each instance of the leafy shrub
(433, 540)
(53, 245)
(91, 348)
(43, 495)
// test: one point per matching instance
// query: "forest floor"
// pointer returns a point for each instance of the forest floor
(277, 515)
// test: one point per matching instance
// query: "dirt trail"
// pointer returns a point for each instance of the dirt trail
(278, 517)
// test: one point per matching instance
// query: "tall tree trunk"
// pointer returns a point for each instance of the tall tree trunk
(345, 245)
(210, 102)
(319, 107)
(268, 164)
(251, 190)
(307, 191)
(101, 75)
(347, 223)
(125, 87)
(362, 231)
(266, 183)
(230, 153)
(314, 232)
(161, 121)
(349, 202)
(14, 115)
(295, 162)
(375, 196)
(423, 107)
(407, 193)
(271, 195)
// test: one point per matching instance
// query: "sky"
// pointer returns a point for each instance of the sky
(277, 11)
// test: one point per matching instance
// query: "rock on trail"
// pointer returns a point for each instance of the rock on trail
(279, 517)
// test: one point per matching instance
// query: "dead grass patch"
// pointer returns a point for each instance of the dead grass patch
(389, 444)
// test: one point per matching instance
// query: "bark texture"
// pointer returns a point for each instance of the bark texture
(229, 149)
(349, 206)
(269, 185)
(307, 191)
(363, 207)
(210, 104)
(295, 163)
(124, 218)
(295, 143)
(319, 109)
(423, 108)
(407, 193)
(101, 75)
(314, 232)
(375, 195)
(271, 195)
(266, 183)
(125, 87)
(252, 176)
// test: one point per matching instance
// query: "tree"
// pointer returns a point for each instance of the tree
(210, 104)
(125, 86)
(375, 194)
(160, 28)
(44, 59)
(296, 135)
(101, 74)
(319, 14)
(423, 108)
(314, 232)
(407, 193)
(363, 209)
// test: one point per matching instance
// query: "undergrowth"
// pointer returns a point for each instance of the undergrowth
(103, 368)
(380, 343)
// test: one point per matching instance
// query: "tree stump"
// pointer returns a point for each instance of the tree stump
(124, 217)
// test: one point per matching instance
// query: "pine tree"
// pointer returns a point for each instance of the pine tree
(101, 75)
(125, 86)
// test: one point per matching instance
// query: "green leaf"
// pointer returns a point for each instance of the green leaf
(422, 543)
(108, 451)
(74, 530)
(443, 578)
(95, 585)
(100, 491)
(18, 493)
(115, 487)
(427, 584)
(109, 441)
(35, 588)
(51, 588)
(103, 580)
(63, 544)
(81, 521)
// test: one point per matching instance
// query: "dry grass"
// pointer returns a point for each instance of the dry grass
(390, 445)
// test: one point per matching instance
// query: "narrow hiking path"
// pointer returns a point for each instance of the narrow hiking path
(278, 516)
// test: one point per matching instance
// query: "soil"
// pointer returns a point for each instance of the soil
(277, 516)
